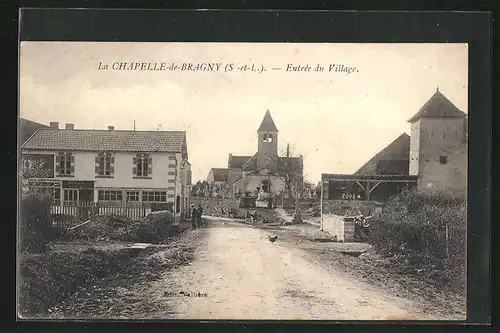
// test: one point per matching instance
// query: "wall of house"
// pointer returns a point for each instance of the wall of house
(210, 177)
(250, 183)
(414, 148)
(442, 137)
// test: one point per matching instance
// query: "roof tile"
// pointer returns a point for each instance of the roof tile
(115, 140)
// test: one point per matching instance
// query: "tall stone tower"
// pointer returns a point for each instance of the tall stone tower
(438, 145)
(267, 153)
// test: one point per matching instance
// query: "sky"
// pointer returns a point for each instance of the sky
(336, 121)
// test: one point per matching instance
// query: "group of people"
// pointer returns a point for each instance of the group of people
(196, 213)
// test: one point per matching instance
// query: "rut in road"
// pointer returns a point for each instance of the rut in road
(244, 276)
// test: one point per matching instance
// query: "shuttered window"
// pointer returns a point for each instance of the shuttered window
(65, 164)
(105, 164)
(143, 166)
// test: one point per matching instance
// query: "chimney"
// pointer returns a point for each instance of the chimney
(70, 126)
(54, 125)
(111, 128)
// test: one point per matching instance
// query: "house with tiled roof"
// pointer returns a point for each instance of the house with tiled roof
(112, 167)
(217, 176)
(262, 171)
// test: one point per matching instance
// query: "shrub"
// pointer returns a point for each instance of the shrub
(431, 227)
(35, 222)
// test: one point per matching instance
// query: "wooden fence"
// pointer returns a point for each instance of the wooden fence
(85, 210)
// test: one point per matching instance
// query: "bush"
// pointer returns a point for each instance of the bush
(416, 225)
(35, 222)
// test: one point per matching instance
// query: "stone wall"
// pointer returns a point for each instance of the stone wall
(333, 212)
(214, 206)
(336, 226)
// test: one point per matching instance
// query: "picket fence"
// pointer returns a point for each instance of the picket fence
(85, 210)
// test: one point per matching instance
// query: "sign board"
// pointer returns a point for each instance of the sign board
(37, 165)
(79, 184)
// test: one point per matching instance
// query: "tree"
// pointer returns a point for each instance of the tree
(290, 171)
(35, 220)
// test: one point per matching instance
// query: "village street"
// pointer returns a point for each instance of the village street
(238, 274)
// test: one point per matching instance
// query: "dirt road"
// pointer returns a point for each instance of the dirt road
(239, 274)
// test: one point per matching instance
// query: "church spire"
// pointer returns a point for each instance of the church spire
(267, 124)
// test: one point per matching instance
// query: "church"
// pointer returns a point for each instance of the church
(265, 172)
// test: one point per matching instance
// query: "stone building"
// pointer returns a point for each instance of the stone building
(438, 146)
(263, 172)
(433, 158)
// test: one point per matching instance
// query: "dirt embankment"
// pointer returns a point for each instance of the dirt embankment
(92, 279)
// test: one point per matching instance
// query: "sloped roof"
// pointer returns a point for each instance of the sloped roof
(220, 174)
(438, 106)
(237, 162)
(27, 128)
(251, 163)
(397, 150)
(115, 140)
(267, 123)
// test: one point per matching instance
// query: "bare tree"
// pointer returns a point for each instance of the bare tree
(290, 171)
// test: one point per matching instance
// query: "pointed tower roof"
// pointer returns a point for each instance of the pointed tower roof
(438, 106)
(267, 123)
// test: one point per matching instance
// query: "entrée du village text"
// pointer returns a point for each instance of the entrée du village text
(223, 67)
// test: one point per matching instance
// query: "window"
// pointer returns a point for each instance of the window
(153, 196)
(443, 159)
(270, 138)
(265, 137)
(171, 188)
(171, 180)
(172, 157)
(104, 164)
(65, 164)
(110, 195)
(171, 173)
(178, 204)
(171, 166)
(132, 196)
(70, 196)
(143, 166)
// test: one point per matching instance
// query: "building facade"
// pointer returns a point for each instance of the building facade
(265, 171)
(112, 167)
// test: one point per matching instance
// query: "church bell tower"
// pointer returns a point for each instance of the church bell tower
(267, 154)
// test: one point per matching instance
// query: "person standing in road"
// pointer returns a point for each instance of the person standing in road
(200, 212)
(194, 217)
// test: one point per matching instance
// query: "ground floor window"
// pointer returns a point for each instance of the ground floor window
(154, 196)
(132, 196)
(70, 196)
(110, 195)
